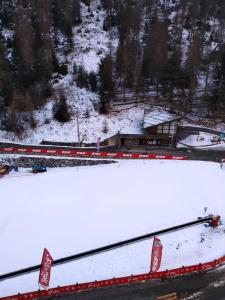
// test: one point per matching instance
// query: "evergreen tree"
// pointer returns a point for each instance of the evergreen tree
(172, 76)
(192, 64)
(60, 110)
(155, 54)
(44, 50)
(66, 14)
(218, 85)
(7, 14)
(24, 54)
(6, 85)
(76, 12)
(106, 84)
(82, 77)
(93, 83)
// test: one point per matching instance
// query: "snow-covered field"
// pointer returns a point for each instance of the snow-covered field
(71, 210)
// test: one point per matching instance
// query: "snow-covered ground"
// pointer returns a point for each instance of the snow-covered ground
(203, 140)
(128, 120)
(71, 210)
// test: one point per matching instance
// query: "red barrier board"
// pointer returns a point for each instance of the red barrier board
(59, 152)
(117, 281)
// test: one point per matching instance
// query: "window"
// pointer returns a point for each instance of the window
(166, 128)
(159, 129)
(151, 142)
(173, 127)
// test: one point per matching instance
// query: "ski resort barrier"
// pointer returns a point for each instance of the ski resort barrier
(75, 153)
(117, 281)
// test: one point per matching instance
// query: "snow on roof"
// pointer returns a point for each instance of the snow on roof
(156, 117)
(132, 130)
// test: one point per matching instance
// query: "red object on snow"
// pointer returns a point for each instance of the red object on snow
(156, 255)
(45, 271)
(215, 221)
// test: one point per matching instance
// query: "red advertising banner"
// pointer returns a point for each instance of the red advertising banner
(116, 281)
(45, 271)
(156, 255)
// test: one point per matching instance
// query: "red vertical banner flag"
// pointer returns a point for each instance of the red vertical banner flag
(156, 255)
(45, 271)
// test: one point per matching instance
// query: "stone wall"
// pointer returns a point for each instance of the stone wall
(27, 162)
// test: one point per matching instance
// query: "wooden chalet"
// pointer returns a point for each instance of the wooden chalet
(159, 128)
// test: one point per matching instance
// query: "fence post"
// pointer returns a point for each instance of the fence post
(131, 278)
(183, 270)
(165, 276)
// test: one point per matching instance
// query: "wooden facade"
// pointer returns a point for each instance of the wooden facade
(139, 140)
(167, 128)
(162, 134)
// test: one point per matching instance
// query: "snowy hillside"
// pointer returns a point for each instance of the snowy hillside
(91, 43)
(78, 209)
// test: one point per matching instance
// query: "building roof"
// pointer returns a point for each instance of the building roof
(157, 117)
(132, 130)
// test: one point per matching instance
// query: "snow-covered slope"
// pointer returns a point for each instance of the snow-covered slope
(91, 44)
(77, 209)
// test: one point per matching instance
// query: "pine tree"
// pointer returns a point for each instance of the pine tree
(21, 102)
(155, 52)
(60, 110)
(93, 83)
(24, 35)
(172, 75)
(106, 84)
(66, 14)
(24, 54)
(82, 77)
(6, 85)
(76, 12)
(218, 84)
(45, 57)
(7, 14)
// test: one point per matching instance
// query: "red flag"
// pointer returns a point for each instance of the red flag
(156, 255)
(45, 271)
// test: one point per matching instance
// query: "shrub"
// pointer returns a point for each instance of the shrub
(63, 70)
(92, 78)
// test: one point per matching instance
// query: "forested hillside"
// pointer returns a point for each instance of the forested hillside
(167, 50)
